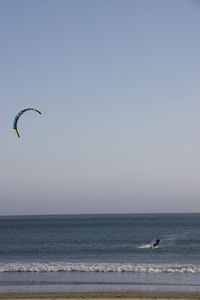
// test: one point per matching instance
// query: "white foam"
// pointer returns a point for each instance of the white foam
(145, 246)
(99, 267)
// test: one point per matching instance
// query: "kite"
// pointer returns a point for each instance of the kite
(18, 116)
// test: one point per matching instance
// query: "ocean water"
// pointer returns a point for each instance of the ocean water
(100, 253)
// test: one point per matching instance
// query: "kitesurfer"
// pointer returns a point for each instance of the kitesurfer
(156, 242)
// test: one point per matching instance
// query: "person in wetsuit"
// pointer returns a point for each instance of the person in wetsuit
(156, 242)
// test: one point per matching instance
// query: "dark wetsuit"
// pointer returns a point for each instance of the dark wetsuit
(157, 241)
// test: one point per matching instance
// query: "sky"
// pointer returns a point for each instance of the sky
(117, 82)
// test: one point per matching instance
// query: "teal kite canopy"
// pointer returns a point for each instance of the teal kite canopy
(18, 116)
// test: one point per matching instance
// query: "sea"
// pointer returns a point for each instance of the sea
(105, 252)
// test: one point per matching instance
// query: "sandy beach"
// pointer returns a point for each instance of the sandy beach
(102, 295)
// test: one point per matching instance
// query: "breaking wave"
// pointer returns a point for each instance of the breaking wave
(99, 267)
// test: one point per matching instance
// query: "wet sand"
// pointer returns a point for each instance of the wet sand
(102, 295)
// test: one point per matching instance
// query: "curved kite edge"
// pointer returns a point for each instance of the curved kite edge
(17, 133)
(18, 116)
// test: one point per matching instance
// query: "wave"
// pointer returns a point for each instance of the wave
(99, 267)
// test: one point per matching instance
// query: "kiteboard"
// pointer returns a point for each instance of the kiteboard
(153, 247)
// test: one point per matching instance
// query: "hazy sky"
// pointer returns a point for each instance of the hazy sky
(117, 82)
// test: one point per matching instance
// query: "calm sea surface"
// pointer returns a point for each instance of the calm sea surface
(100, 252)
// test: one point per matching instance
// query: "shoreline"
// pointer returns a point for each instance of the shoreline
(101, 295)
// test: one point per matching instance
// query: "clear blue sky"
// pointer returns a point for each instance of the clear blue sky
(117, 82)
